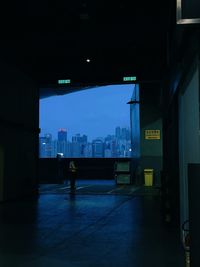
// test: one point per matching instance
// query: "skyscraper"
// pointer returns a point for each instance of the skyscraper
(97, 148)
(54, 149)
(62, 142)
(114, 149)
(79, 145)
(48, 145)
(76, 138)
(128, 134)
(42, 147)
(76, 146)
(117, 132)
(62, 135)
(123, 133)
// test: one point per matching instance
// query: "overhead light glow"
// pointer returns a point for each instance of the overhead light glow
(129, 79)
(64, 81)
(88, 60)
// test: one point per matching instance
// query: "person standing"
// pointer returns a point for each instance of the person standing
(72, 175)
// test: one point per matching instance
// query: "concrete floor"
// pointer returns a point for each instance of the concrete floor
(83, 230)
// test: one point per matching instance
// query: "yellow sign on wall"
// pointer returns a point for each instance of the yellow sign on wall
(152, 134)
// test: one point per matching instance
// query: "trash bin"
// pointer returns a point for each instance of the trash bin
(148, 177)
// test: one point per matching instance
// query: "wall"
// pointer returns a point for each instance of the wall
(194, 215)
(151, 119)
(1, 172)
(170, 174)
(19, 133)
(189, 143)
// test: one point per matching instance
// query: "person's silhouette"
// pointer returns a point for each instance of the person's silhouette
(72, 175)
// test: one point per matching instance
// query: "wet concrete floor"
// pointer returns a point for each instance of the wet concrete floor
(87, 230)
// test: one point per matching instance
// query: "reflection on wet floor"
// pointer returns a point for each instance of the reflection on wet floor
(99, 187)
(87, 230)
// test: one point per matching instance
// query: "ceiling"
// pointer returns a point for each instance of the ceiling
(52, 40)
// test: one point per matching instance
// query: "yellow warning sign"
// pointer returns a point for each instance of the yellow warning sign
(152, 134)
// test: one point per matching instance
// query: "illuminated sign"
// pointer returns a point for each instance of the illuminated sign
(152, 134)
(129, 79)
(64, 81)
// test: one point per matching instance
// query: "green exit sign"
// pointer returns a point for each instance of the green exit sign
(64, 81)
(129, 79)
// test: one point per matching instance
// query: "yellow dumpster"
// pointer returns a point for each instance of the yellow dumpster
(148, 177)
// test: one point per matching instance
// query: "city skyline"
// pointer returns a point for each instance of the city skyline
(111, 145)
(93, 112)
(82, 134)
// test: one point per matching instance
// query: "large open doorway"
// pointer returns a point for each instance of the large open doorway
(99, 128)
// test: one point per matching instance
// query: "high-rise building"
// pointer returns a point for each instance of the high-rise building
(117, 132)
(76, 138)
(84, 139)
(79, 146)
(69, 150)
(84, 149)
(48, 145)
(110, 138)
(62, 142)
(42, 147)
(97, 148)
(62, 135)
(108, 153)
(88, 150)
(54, 149)
(123, 133)
(128, 134)
(76, 150)
(114, 152)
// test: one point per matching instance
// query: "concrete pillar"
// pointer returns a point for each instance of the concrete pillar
(1, 172)
(151, 119)
(19, 116)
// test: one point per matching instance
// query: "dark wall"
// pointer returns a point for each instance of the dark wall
(194, 215)
(19, 133)
(188, 131)
(151, 119)
(170, 174)
(190, 9)
(184, 48)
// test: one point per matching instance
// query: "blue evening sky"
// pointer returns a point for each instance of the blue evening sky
(94, 112)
